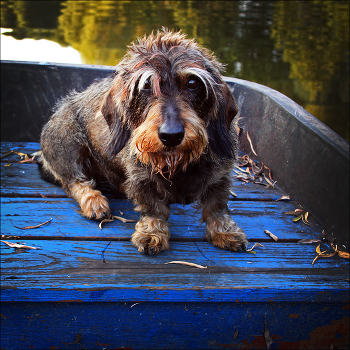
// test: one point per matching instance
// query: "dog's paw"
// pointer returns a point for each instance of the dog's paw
(224, 233)
(95, 206)
(151, 235)
(92, 203)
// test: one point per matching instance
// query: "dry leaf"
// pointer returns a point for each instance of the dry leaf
(18, 246)
(28, 160)
(235, 335)
(123, 219)
(295, 212)
(103, 221)
(275, 238)
(323, 254)
(297, 218)
(114, 217)
(304, 218)
(268, 181)
(341, 253)
(283, 198)
(309, 241)
(250, 143)
(186, 263)
(267, 337)
(31, 227)
(255, 245)
(344, 255)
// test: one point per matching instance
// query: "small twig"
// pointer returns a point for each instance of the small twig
(186, 263)
(31, 227)
(18, 246)
(250, 143)
(134, 305)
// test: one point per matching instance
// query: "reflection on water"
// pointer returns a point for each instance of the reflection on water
(300, 48)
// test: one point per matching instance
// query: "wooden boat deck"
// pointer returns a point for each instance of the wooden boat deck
(86, 287)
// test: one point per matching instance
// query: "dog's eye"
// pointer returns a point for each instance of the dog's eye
(192, 83)
(147, 85)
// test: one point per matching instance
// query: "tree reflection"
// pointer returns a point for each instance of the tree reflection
(314, 37)
(296, 47)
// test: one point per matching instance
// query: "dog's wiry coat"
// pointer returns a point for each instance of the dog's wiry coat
(160, 130)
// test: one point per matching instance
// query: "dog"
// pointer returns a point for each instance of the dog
(159, 130)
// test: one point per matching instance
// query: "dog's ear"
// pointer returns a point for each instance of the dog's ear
(222, 135)
(119, 130)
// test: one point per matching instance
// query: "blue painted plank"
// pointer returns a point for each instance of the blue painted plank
(173, 325)
(24, 179)
(254, 218)
(24, 147)
(101, 271)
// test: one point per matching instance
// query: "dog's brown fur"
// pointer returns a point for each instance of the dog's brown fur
(160, 130)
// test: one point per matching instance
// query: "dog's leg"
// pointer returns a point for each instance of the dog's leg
(152, 232)
(92, 203)
(222, 231)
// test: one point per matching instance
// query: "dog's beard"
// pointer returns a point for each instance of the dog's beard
(149, 150)
(168, 162)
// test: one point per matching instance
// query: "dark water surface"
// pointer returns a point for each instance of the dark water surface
(300, 48)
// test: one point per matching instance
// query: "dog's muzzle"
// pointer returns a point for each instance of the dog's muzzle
(171, 132)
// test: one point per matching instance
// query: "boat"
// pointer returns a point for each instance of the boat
(69, 282)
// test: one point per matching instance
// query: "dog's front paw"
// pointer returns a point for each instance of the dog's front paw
(151, 235)
(224, 233)
(95, 206)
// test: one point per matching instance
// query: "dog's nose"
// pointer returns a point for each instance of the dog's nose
(171, 135)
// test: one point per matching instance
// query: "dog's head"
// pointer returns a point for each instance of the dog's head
(169, 97)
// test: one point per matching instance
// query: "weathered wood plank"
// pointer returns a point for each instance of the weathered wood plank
(148, 325)
(254, 217)
(24, 147)
(117, 272)
(24, 180)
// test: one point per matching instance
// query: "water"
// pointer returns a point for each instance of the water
(300, 48)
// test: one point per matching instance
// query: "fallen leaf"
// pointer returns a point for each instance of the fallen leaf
(28, 160)
(283, 198)
(103, 221)
(31, 227)
(186, 263)
(295, 212)
(270, 176)
(255, 245)
(18, 246)
(235, 335)
(242, 170)
(267, 337)
(123, 219)
(344, 255)
(323, 254)
(114, 217)
(309, 241)
(341, 253)
(297, 218)
(304, 218)
(250, 143)
(6, 154)
(316, 257)
(275, 238)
